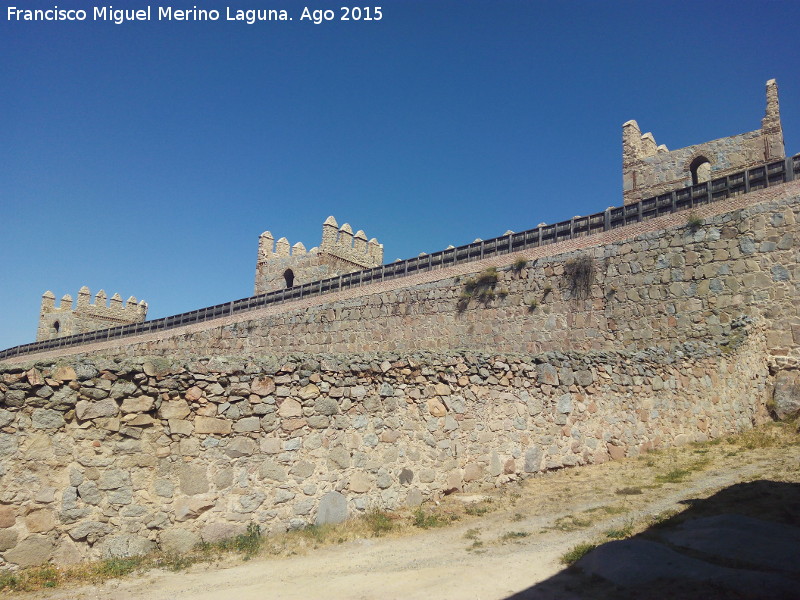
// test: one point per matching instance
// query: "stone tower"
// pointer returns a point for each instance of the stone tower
(64, 319)
(649, 169)
(280, 266)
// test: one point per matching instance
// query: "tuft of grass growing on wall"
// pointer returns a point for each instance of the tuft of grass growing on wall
(693, 222)
(518, 265)
(481, 288)
(579, 276)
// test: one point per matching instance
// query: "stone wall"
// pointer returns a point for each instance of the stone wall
(102, 457)
(660, 282)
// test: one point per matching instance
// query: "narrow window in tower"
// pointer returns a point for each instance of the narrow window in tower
(288, 275)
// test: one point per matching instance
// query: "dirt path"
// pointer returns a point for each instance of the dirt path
(515, 545)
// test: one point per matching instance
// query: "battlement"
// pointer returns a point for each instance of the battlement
(649, 169)
(281, 265)
(68, 319)
(353, 248)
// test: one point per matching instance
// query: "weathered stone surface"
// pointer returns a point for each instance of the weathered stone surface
(302, 470)
(442, 389)
(193, 394)
(90, 531)
(193, 479)
(241, 446)
(533, 459)
(190, 508)
(263, 386)
(247, 424)
(178, 540)
(308, 392)
(326, 406)
(212, 425)
(64, 373)
(40, 521)
(122, 389)
(6, 417)
(414, 498)
(547, 374)
(30, 552)
(290, 408)
(332, 509)
(89, 492)
(113, 479)
(44, 418)
(616, 452)
(436, 408)
(174, 409)
(86, 409)
(138, 404)
(8, 539)
(584, 378)
(217, 532)
(124, 545)
(473, 472)
(360, 482)
(180, 427)
(786, 397)
(272, 471)
(67, 553)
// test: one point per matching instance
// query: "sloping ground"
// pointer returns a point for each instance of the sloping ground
(713, 521)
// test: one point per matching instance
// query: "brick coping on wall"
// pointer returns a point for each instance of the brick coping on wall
(783, 191)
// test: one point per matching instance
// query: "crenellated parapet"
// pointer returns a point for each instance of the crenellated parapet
(353, 248)
(282, 265)
(72, 317)
(649, 169)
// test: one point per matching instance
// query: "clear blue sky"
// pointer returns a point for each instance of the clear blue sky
(146, 158)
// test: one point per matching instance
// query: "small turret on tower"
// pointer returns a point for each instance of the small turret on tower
(64, 319)
(339, 252)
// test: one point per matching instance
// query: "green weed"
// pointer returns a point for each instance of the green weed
(577, 553)
(425, 520)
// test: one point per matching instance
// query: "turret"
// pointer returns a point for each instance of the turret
(84, 297)
(345, 236)
(330, 231)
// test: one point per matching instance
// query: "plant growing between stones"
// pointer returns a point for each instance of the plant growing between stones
(693, 222)
(480, 288)
(518, 265)
(579, 275)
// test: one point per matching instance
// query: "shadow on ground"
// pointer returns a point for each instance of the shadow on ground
(741, 543)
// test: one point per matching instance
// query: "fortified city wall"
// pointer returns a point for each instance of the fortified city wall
(657, 283)
(681, 337)
(109, 458)
(678, 328)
